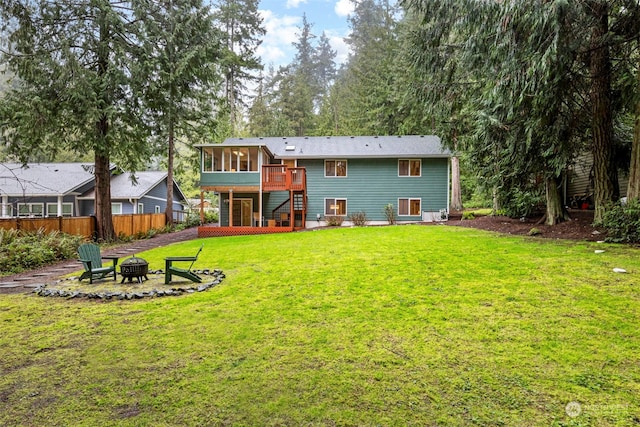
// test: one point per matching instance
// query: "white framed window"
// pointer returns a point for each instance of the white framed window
(67, 209)
(409, 167)
(116, 208)
(31, 209)
(335, 207)
(230, 159)
(335, 168)
(140, 208)
(409, 207)
(156, 209)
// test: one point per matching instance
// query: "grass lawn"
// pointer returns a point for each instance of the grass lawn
(404, 325)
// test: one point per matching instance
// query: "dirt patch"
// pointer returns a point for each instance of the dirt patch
(579, 227)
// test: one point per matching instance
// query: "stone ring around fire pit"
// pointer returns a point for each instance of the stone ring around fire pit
(134, 267)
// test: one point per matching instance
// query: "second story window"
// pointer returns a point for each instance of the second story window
(230, 159)
(409, 167)
(333, 168)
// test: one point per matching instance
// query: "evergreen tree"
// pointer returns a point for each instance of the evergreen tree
(76, 92)
(242, 27)
(179, 50)
(369, 76)
(534, 87)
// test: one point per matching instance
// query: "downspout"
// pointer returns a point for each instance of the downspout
(59, 205)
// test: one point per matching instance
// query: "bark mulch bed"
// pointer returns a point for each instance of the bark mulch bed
(580, 227)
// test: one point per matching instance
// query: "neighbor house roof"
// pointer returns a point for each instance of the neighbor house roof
(43, 179)
(322, 147)
(122, 187)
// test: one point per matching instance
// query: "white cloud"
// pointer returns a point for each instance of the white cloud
(282, 31)
(344, 7)
(342, 49)
(276, 47)
(292, 4)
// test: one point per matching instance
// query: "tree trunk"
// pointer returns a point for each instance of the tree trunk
(170, 154)
(456, 194)
(602, 123)
(556, 212)
(102, 172)
(633, 190)
(103, 213)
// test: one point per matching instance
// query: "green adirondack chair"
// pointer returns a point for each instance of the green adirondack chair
(92, 262)
(170, 270)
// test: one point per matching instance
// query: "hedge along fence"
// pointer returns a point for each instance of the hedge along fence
(127, 225)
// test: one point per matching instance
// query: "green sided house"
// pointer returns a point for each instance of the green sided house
(287, 183)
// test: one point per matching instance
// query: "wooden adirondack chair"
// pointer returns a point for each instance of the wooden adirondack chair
(170, 270)
(92, 261)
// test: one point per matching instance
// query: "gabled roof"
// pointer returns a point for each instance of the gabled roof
(122, 188)
(43, 179)
(322, 147)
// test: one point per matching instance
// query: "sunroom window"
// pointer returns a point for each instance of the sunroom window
(230, 159)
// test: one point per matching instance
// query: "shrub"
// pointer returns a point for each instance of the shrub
(522, 203)
(389, 214)
(359, 219)
(622, 222)
(334, 221)
(22, 250)
(468, 215)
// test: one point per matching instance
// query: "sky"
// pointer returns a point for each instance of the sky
(283, 18)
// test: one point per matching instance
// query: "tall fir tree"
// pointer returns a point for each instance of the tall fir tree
(180, 50)
(242, 26)
(74, 61)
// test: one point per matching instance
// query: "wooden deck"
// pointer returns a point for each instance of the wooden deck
(283, 178)
(214, 231)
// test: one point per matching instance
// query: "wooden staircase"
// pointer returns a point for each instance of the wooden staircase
(293, 180)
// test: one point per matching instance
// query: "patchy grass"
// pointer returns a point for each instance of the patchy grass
(402, 325)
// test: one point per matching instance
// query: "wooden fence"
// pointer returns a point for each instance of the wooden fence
(127, 225)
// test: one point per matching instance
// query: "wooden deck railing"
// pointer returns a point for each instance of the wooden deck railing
(283, 178)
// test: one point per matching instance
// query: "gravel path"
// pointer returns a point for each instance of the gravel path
(27, 281)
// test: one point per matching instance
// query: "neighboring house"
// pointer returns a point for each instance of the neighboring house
(147, 195)
(299, 182)
(195, 205)
(45, 189)
(579, 184)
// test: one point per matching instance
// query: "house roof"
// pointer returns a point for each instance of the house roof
(43, 179)
(122, 188)
(322, 147)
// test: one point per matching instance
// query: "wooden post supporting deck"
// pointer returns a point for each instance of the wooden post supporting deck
(230, 208)
(201, 207)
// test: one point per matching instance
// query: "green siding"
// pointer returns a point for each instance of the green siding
(373, 183)
(229, 178)
(369, 186)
